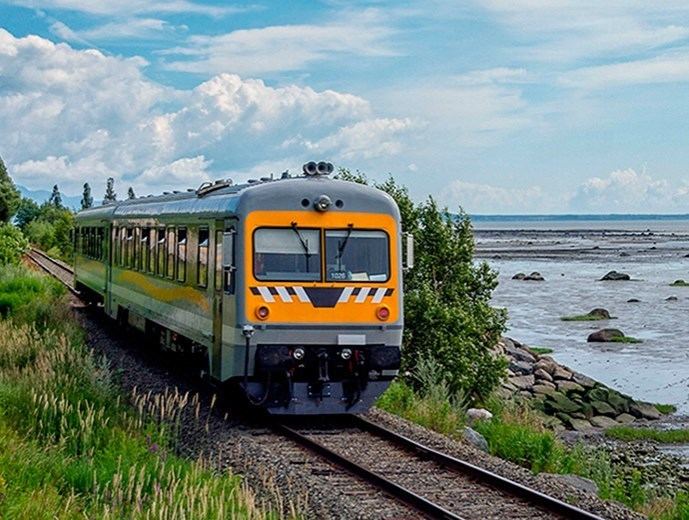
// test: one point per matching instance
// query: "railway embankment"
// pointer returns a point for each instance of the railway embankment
(71, 444)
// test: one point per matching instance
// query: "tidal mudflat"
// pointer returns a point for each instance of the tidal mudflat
(572, 257)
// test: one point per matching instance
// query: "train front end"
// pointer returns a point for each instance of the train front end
(321, 296)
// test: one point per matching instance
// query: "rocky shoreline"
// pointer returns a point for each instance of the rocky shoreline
(571, 400)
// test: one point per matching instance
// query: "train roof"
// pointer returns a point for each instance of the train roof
(222, 199)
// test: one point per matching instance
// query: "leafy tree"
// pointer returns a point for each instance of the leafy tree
(28, 211)
(448, 315)
(9, 195)
(110, 195)
(55, 197)
(86, 199)
(130, 193)
(12, 244)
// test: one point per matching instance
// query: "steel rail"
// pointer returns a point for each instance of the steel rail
(511, 487)
(41, 259)
(417, 502)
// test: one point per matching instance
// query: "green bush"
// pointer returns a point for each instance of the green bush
(12, 245)
(448, 314)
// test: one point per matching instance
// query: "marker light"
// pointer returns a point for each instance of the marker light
(323, 203)
(262, 312)
(383, 313)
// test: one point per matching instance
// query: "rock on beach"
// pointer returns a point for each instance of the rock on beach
(605, 336)
(614, 276)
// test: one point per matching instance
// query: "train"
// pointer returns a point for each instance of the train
(288, 288)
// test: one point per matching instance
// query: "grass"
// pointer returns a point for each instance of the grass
(625, 339)
(585, 317)
(630, 433)
(665, 408)
(70, 445)
(541, 351)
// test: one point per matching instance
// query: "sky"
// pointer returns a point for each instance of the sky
(500, 107)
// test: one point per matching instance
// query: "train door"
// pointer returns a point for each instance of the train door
(224, 304)
(110, 231)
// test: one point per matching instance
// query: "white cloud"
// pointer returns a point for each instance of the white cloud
(137, 28)
(282, 48)
(668, 68)
(478, 198)
(628, 191)
(129, 7)
(71, 116)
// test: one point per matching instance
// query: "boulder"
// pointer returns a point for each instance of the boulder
(544, 389)
(604, 335)
(601, 421)
(633, 300)
(559, 402)
(625, 418)
(624, 254)
(543, 375)
(603, 408)
(580, 425)
(583, 380)
(645, 410)
(581, 483)
(599, 314)
(478, 414)
(599, 393)
(475, 439)
(523, 382)
(520, 367)
(618, 401)
(614, 276)
(569, 386)
(504, 392)
(519, 353)
(535, 277)
(519, 276)
(671, 299)
(561, 373)
(547, 364)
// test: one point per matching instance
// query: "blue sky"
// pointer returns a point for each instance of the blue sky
(524, 106)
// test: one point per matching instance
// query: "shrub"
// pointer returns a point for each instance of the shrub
(12, 244)
(448, 314)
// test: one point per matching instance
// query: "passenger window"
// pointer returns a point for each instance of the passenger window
(135, 248)
(160, 271)
(143, 250)
(181, 254)
(218, 261)
(115, 244)
(202, 271)
(129, 247)
(152, 243)
(170, 272)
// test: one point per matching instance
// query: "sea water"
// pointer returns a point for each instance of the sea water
(573, 254)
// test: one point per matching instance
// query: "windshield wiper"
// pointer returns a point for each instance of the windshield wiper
(341, 246)
(303, 243)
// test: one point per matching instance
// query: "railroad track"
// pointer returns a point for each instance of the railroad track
(57, 269)
(430, 482)
(434, 483)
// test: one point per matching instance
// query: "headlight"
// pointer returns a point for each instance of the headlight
(298, 353)
(346, 354)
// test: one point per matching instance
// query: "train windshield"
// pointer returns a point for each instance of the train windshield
(287, 254)
(357, 255)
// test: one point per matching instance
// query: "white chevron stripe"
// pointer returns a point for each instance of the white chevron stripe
(346, 293)
(361, 297)
(378, 296)
(282, 292)
(265, 292)
(301, 294)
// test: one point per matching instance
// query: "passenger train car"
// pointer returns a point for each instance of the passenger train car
(291, 288)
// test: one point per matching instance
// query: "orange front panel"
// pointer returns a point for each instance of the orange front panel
(322, 302)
